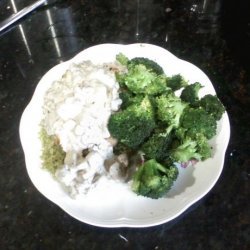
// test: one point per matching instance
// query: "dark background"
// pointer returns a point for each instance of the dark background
(212, 34)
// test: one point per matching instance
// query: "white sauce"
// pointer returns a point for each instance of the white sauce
(76, 109)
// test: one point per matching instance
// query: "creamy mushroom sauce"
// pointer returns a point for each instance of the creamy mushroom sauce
(76, 109)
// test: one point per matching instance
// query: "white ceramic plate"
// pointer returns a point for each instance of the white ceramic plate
(112, 204)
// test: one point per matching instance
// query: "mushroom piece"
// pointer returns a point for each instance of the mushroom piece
(109, 162)
(117, 166)
(85, 152)
(123, 159)
(113, 141)
(135, 161)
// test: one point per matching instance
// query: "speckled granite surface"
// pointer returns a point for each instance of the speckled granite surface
(214, 35)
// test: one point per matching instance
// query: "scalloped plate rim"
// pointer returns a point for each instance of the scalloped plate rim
(122, 221)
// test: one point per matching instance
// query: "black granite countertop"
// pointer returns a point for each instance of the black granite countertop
(212, 34)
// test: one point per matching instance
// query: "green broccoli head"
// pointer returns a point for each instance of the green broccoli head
(180, 133)
(196, 120)
(176, 82)
(149, 64)
(203, 147)
(213, 106)
(190, 93)
(153, 180)
(126, 97)
(120, 78)
(129, 98)
(157, 146)
(186, 151)
(141, 80)
(187, 148)
(122, 59)
(169, 110)
(143, 76)
(134, 124)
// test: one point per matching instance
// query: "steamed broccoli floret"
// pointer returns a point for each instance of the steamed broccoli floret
(203, 147)
(122, 59)
(149, 64)
(126, 97)
(190, 93)
(176, 82)
(157, 146)
(212, 105)
(196, 120)
(129, 98)
(188, 148)
(134, 124)
(153, 180)
(144, 76)
(163, 127)
(169, 110)
(180, 133)
(140, 80)
(186, 151)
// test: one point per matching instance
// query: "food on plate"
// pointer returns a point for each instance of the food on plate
(153, 179)
(133, 125)
(190, 93)
(177, 128)
(212, 105)
(125, 120)
(76, 110)
(52, 154)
